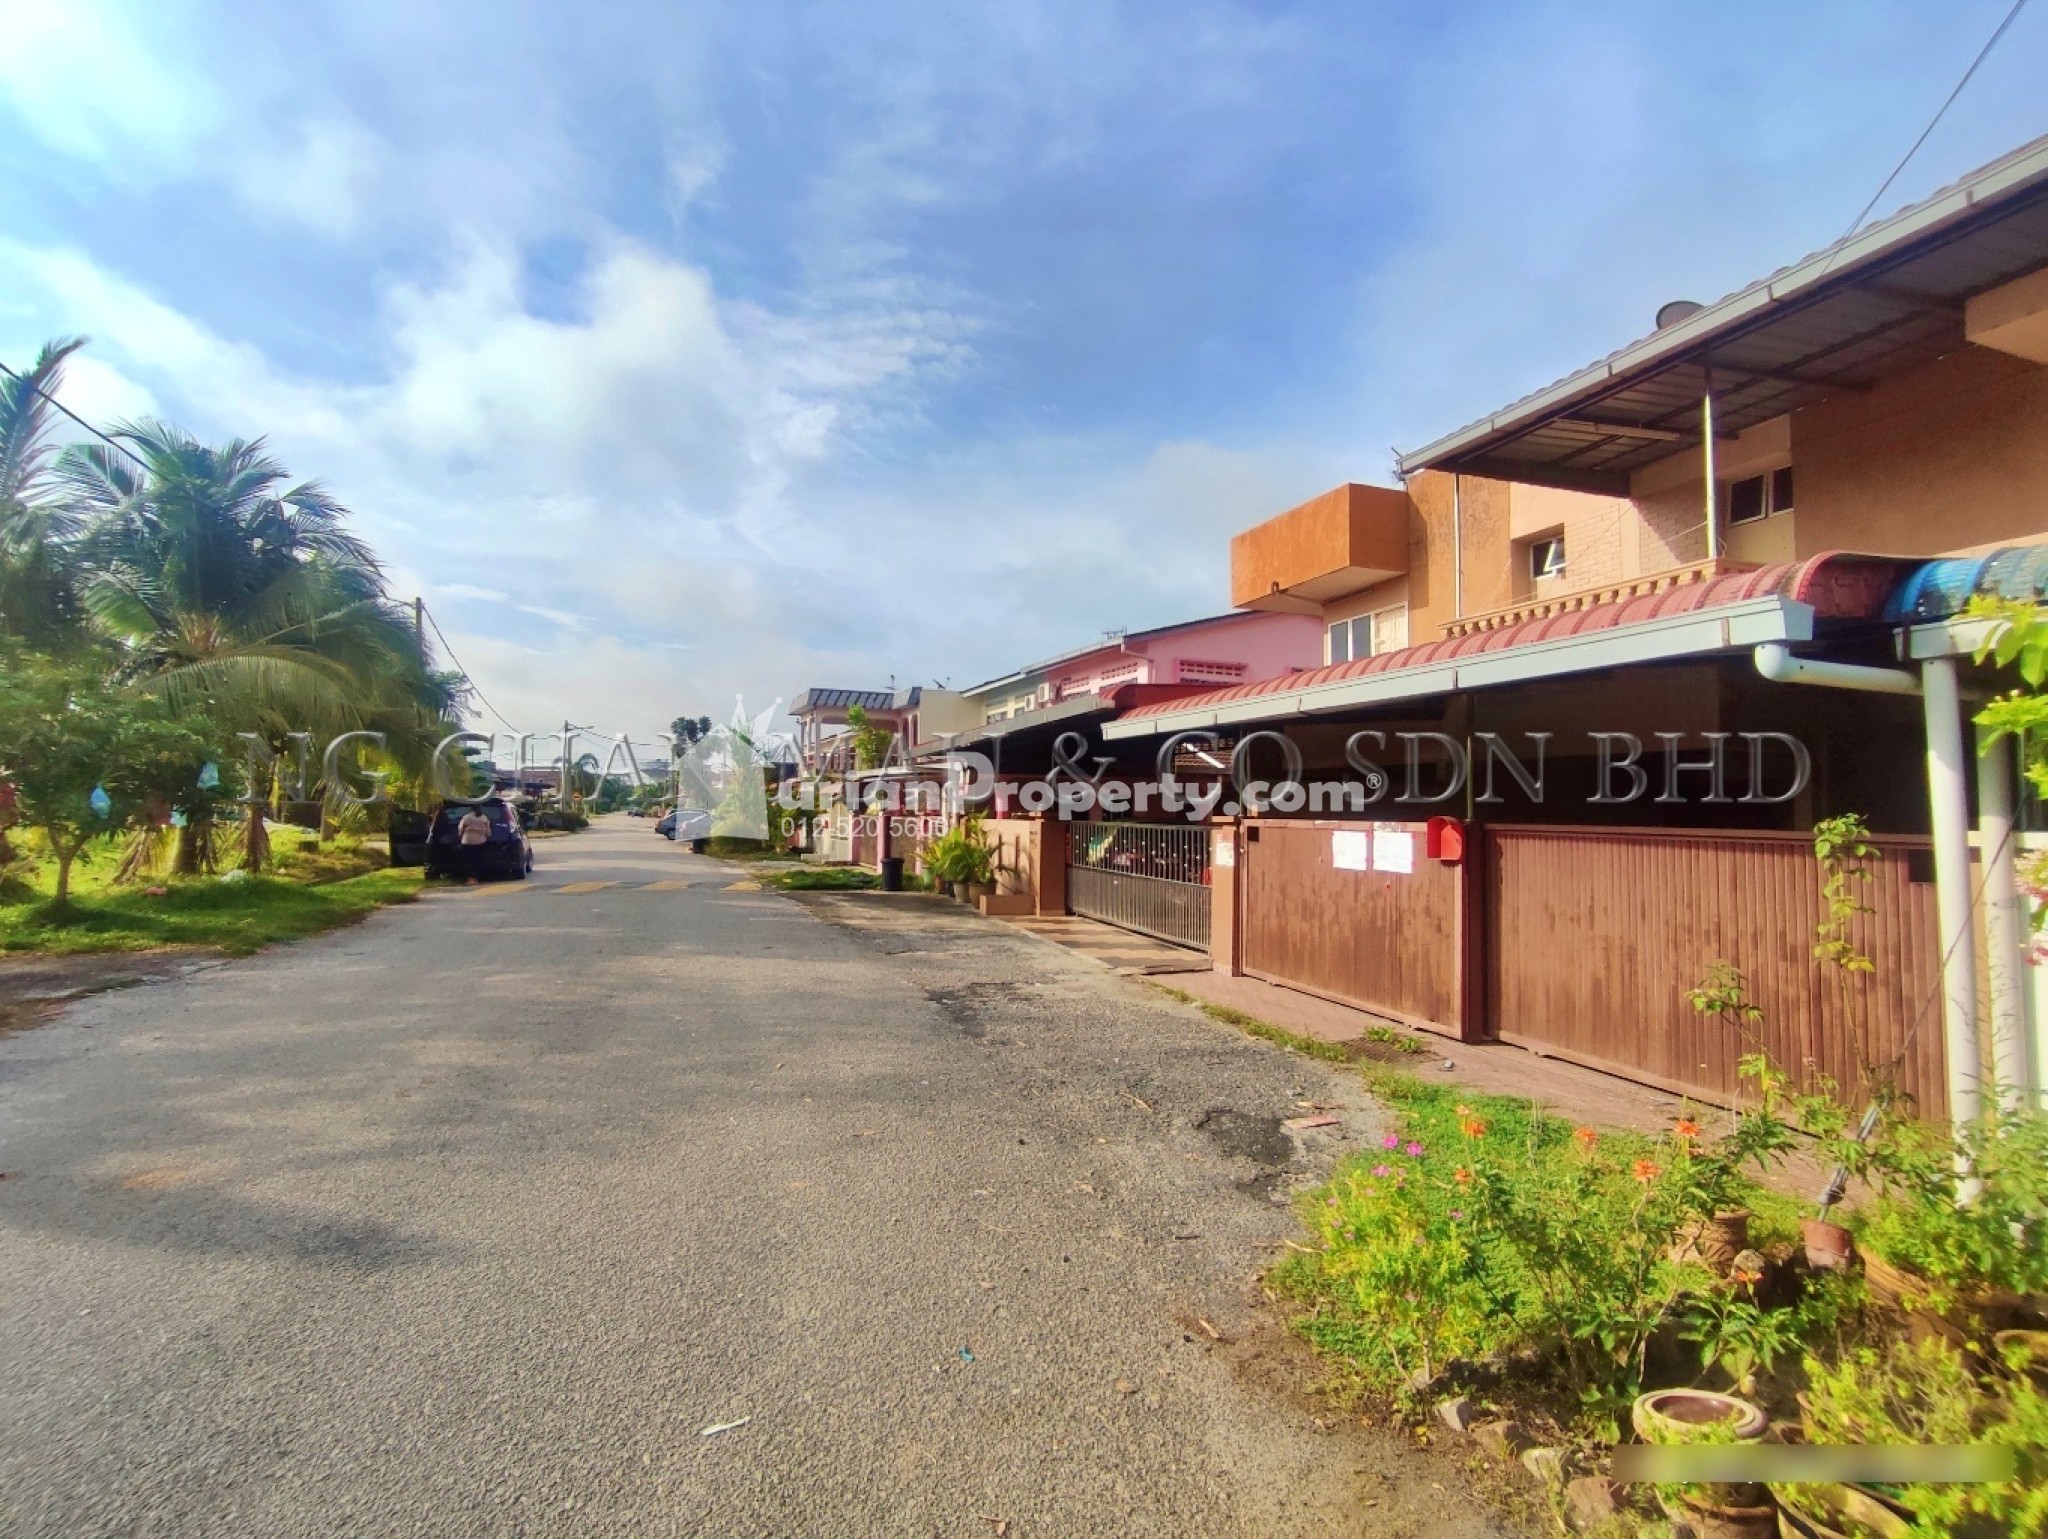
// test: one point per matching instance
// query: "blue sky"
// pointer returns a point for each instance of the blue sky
(679, 352)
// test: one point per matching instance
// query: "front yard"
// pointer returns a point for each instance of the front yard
(309, 886)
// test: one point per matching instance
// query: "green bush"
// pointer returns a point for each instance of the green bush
(1998, 1239)
(1927, 1393)
(1484, 1226)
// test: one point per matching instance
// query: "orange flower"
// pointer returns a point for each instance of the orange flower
(1462, 1176)
(1685, 1127)
(1646, 1171)
(1587, 1137)
(1472, 1127)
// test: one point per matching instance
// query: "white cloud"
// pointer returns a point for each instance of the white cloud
(463, 590)
(104, 83)
(319, 175)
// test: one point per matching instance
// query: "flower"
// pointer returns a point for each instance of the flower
(1382, 1170)
(1462, 1176)
(1415, 1149)
(1391, 1141)
(1745, 1278)
(1464, 1111)
(1472, 1127)
(1685, 1127)
(1457, 1213)
(1586, 1137)
(1646, 1171)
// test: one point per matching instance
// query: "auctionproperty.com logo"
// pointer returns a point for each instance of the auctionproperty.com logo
(1437, 770)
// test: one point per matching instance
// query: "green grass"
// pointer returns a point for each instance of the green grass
(724, 848)
(1251, 1025)
(820, 879)
(236, 917)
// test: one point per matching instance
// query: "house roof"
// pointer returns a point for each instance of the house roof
(1108, 642)
(840, 699)
(1772, 603)
(1881, 299)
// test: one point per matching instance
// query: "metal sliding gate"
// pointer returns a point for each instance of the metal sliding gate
(1148, 877)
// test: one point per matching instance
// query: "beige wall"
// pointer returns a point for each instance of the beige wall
(1949, 455)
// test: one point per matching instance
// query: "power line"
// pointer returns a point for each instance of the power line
(1982, 54)
(111, 443)
(481, 699)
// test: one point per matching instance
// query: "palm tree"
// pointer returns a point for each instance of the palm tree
(38, 594)
(240, 595)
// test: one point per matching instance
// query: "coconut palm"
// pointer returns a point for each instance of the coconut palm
(243, 596)
(238, 592)
(38, 594)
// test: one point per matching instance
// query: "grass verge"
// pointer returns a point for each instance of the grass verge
(235, 917)
(1251, 1025)
(819, 879)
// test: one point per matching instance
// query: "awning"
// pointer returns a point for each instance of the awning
(1885, 298)
(1724, 614)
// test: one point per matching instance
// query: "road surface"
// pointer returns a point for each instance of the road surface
(474, 1218)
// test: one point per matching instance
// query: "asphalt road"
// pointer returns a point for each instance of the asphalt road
(471, 1219)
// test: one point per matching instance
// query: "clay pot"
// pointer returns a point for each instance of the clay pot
(1829, 1247)
(1716, 1241)
(1668, 1416)
(1889, 1284)
(1839, 1512)
(1710, 1520)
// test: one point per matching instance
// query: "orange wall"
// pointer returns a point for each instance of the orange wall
(1349, 526)
(1948, 455)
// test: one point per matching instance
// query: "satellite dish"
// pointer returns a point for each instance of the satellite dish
(1677, 310)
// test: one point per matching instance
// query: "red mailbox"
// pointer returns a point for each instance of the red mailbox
(1444, 840)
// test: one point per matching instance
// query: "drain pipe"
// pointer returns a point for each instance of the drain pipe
(1949, 815)
(2015, 1068)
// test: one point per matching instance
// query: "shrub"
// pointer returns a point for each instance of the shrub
(1484, 1225)
(1926, 1393)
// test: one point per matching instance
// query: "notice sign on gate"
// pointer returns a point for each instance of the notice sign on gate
(1351, 850)
(1226, 850)
(1393, 849)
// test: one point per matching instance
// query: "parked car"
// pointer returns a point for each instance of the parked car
(688, 826)
(507, 852)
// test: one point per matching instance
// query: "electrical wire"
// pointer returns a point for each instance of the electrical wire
(482, 699)
(112, 443)
(1982, 54)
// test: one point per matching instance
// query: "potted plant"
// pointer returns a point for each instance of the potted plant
(1676, 1417)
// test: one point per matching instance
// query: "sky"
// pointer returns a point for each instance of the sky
(679, 353)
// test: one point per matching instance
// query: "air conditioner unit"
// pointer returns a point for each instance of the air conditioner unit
(1044, 693)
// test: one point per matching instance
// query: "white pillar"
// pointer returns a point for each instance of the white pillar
(1948, 803)
(2004, 921)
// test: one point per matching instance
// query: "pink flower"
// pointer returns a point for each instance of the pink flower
(1415, 1149)
(1457, 1213)
(1391, 1141)
(1382, 1170)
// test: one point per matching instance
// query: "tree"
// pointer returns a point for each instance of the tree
(687, 730)
(871, 743)
(239, 594)
(38, 593)
(86, 757)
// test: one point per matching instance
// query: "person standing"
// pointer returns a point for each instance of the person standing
(473, 833)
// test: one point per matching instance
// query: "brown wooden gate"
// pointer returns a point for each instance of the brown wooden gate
(1593, 936)
(1383, 938)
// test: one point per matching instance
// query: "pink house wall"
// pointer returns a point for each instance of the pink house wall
(1267, 644)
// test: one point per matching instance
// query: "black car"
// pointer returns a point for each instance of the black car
(507, 852)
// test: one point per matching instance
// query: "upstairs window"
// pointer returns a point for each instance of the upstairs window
(1755, 498)
(1546, 558)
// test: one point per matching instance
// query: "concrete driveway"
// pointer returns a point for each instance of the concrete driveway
(473, 1218)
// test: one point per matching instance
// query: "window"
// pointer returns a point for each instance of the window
(1546, 557)
(1754, 498)
(1384, 630)
(1195, 671)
